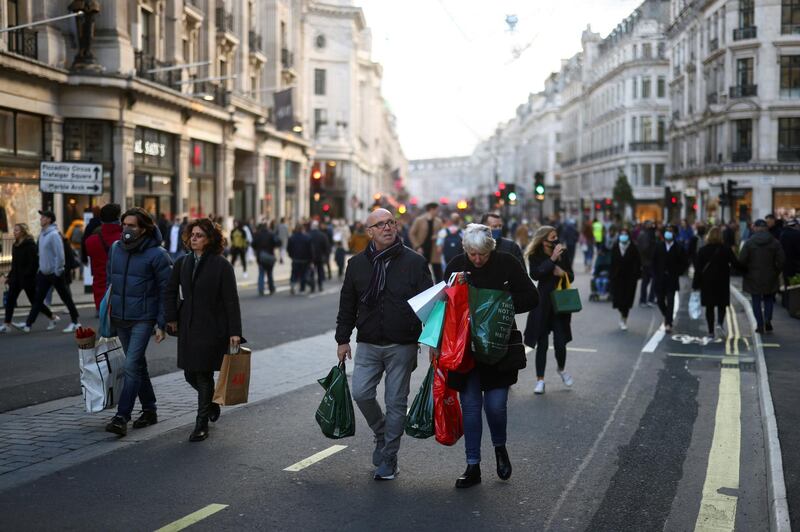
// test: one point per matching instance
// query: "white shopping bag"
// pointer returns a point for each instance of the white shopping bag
(694, 305)
(422, 303)
(102, 374)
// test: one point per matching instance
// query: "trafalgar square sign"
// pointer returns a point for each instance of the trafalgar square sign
(71, 178)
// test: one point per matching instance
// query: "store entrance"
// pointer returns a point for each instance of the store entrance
(154, 194)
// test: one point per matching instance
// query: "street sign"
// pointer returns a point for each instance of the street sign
(71, 178)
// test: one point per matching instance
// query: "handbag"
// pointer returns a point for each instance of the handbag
(565, 300)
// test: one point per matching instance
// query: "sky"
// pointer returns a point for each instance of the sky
(449, 71)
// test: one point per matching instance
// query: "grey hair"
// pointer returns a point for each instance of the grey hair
(478, 238)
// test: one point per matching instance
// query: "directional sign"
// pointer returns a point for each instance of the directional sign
(71, 178)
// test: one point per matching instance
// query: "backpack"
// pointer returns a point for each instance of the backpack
(452, 247)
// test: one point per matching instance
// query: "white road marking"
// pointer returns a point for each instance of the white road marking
(313, 459)
(725, 358)
(192, 518)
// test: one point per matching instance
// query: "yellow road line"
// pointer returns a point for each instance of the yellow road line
(718, 510)
(737, 335)
(313, 459)
(723, 358)
(729, 327)
(193, 518)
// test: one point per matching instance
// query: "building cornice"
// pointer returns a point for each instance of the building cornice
(345, 12)
(34, 68)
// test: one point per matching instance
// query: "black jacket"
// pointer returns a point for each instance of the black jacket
(391, 321)
(669, 266)
(299, 247)
(712, 274)
(24, 261)
(625, 272)
(762, 259)
(265, 240)
(790, 242)
(209, 313)
(542, 319)
(501, 272)
(506, 245)
(320, 245)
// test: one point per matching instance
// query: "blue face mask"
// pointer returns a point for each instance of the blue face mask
(497, 233)
(668, 236)
(624, 238)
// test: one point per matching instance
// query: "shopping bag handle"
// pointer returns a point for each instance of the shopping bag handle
(564, 279)
(453, 277)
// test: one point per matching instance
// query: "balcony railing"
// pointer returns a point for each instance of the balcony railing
(789, 154)
(713, 44)
(743, 91)
(676, 115)
(742, 155)
(254, 40)
(711, 98)
(210, 92)
(748, 32)
(790, 29)
(23, 42)
(690, 66)
(145, 63)
(224, 20)
(195, 3)
(647, 146)
(287, 58)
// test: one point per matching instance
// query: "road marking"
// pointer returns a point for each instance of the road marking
(711, 357)
(718, 508)
(193, 518)
(770, 345)
(652, 344)
(737, 335)
(577, 349)
(313, 459)
(325, 292)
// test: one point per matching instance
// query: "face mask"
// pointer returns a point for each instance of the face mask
(624, 238)
(668, 235)
(129, 235)
(497, 233)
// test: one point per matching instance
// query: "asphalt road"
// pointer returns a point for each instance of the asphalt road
(43, 365)
(627, 448)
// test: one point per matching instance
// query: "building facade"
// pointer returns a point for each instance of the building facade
(447, 180)
(735, 83)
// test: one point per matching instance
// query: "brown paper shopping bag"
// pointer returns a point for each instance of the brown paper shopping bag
(233, 384)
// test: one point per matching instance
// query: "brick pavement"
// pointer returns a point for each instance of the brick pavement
(41, 439)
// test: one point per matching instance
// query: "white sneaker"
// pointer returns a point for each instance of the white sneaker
(4, 329)
(244, 275)
(720, 332)
(71, 328)
(623, 325)
(22, 326)
(539, 388)
(566, 377)
(52, 324)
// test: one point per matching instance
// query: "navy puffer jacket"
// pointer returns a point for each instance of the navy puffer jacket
(138, 279)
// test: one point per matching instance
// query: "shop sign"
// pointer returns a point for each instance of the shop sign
(71, 178)
(146, 147)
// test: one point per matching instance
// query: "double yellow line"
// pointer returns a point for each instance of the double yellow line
(718, 510)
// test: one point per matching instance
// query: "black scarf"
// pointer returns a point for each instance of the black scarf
(379, 260)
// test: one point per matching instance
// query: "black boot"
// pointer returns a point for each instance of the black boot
(214, 412)
(503, 463)
(200, 431)
(470, 477)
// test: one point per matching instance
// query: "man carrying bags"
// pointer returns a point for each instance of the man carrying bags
(377, 285)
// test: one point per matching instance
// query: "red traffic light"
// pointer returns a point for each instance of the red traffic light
(501, 186)
(497, 193)
(608, 201)
(326, 208)
(674, 200)
(597, 206)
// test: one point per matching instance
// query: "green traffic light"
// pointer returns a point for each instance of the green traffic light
(539, 189)
(512, 196)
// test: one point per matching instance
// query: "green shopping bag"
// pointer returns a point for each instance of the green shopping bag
(565, 300)
(432, 332)
(419, 422)
(335, 414)
(491, 314)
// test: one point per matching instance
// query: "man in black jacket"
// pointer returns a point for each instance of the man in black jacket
(669, 263)
(320, 253)
(377, 286)
(503, 244)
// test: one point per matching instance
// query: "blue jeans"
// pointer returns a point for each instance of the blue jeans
(270, 281)
(137, 380)
(494, 403)
(764, 314)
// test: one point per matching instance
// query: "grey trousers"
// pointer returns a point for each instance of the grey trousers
(371, 361)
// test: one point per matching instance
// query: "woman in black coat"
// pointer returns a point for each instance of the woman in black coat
(547, 264)
(202, 307)
(712, 276)
(486, 386)
(626, 268)
(24, 265)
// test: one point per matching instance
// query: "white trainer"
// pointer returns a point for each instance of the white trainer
(566, 377)
(22, 326)
(71, 328)
(53, 322)
(623, 325)
(245, 275)
(4, 329)
(539, 388)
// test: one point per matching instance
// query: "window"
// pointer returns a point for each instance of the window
(319, 82)
(646, 126)
(662, 50)
(320, 119)
(790, 16)
(647, 175)
(646, 87)
(744, 72)
(647, 51)
(661, 87)
(746, 14)
(790, 76)
(659, 175)
(29, 135)
(743, 140)
(12, 11)
(6, 131)
(635, 87)
(789, 139)
(148, 46)
(635, 175)
(662, 127)
(633, 129)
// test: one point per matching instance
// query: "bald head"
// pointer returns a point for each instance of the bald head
(376, 215)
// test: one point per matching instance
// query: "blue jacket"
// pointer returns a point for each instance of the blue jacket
(138, 279)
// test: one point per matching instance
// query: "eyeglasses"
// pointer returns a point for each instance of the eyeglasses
(198, 235)
(381, 225)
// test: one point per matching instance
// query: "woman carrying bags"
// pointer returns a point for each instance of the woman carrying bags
(486, 386)
(712, 276)
(548, 265)
(202, 307)
(626, 268)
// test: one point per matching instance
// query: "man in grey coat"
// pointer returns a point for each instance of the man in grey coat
(762, 258)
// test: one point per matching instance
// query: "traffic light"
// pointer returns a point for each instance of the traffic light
(538, 185)
(316, 178)
(509, 192)
(670, 198)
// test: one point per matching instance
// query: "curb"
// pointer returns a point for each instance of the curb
(776, 485)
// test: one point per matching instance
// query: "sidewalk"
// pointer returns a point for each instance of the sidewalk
(41, 439)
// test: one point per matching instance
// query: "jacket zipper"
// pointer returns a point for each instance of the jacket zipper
(125, 284)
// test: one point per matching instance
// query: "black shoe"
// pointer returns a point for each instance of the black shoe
(769, 326)
(470, 477)
(760, 330)
(503, 463)
(117, 425)
(200, 431)
(214, 412)
(148, 417)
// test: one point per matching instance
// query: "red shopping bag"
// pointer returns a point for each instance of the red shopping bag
(455, 337)
(448, 423)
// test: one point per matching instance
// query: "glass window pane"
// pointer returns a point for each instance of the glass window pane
(6, 132)
(29, 135)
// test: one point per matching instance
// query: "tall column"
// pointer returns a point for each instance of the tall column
(53, 150)
(182, 175)
(281, 199)
(224, 186)
(259, 170)
(123, 164)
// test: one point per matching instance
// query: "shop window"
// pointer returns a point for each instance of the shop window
(29, 135)
(786, 202)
